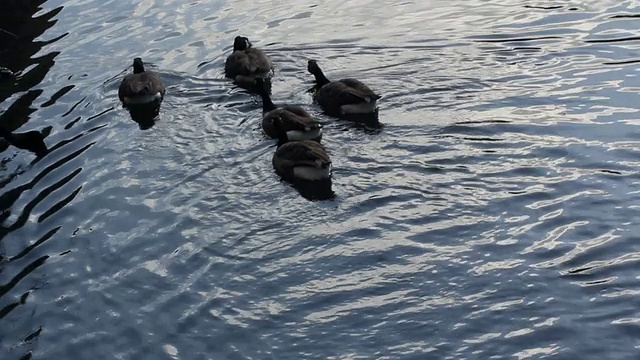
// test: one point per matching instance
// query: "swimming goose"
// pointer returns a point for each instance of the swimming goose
(30, 140)
(293, 122)
(305, 160)
(141, 87)
(346, 96)
(247, 63)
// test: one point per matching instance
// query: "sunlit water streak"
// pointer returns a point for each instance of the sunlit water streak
(491, 216)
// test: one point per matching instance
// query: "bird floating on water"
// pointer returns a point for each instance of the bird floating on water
(142, 87)
(289, 122)
(247, 63)
(342, 97)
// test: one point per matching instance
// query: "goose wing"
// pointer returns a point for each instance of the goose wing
(298, 110)
(140, 84)
(337, 92)
(305, 153)
(296, 118)
(359, 89)
(237, 64)
(247, 62)
(259, 61)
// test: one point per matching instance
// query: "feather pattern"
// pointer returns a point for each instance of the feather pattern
(247, 62)
(280, 122)
(288, 120)
(141, 86)
(301, 154)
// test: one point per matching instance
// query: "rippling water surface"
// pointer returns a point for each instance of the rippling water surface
(492, 216)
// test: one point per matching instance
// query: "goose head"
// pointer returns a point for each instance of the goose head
(138, 66)
(241, 43)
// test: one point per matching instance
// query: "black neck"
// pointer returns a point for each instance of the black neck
(138, 68)
(267, 104)
(321, 80)
(282, 134)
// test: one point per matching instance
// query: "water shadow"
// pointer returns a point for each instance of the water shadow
(367, 122)
(17, 49)
(251, 86)
(145, 115)
(315, 190)
(31, 140)
(22, 68)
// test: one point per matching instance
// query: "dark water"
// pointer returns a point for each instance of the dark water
(493, 216)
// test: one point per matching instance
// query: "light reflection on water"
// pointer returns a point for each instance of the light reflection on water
(490, 216)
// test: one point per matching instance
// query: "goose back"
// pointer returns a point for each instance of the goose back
(286, 122)
(341, 97)
(302, 160)
(247, 62)
(292, 120)
(141, 87)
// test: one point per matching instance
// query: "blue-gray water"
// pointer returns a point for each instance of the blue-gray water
(493, 216)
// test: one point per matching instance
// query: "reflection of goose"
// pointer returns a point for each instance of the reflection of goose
(144, 116)
(30, 140)
(247, 63)
(287, 122)
(141, 87)
(341, 97)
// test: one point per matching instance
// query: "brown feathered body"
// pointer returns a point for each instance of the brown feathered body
(286, 122)
(342, 97)
(294, 121)
(142, 88)
(248, 64)
(302, 160)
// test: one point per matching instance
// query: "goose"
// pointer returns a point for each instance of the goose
(342, 97)
(141, 87)
(30, 140)
(247, 63)
(305, 160)
(293, 121)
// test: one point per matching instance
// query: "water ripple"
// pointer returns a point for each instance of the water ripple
(490, 215)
